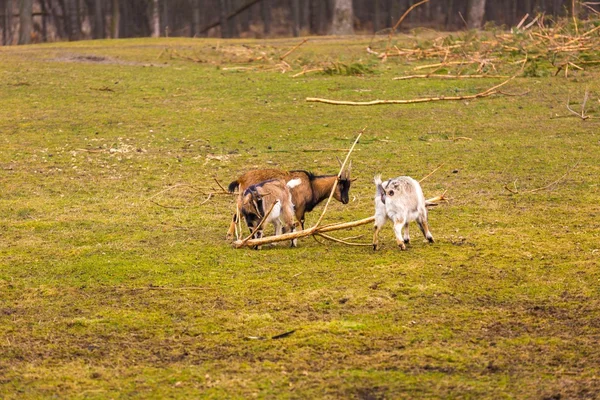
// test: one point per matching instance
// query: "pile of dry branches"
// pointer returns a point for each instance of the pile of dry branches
(563, 45)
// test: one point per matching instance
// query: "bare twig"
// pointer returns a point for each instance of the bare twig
(582, 114)
(439, 76)
(339, 174)
(397, 24)
(306, 71)
(342, 240)
(218, 184)
(431, 173)
(522, 21)
(210, 195)
(516, 191)
(293, 49)
(486, 93)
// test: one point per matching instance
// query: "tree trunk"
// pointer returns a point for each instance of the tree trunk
(115, 20)
(343, 18)
(25, 21)
(475, 14)
(196, 15)
(223, 18)
(72, 20)
(265, 9)
(449, 13)
(155, 19)
(295, 7)
(164, 21)
(233, 20)
(7, 23)
(98, 20)
(376, 15)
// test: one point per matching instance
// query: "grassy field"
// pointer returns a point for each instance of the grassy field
(116, 280)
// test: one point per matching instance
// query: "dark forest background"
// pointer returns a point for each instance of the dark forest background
(32, 21)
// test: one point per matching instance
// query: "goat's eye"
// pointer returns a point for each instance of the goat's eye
(391, 193)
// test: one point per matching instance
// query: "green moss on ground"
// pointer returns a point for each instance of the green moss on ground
(105, 293)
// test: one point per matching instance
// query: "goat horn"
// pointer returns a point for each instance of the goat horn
(346, 172)
(340, 161)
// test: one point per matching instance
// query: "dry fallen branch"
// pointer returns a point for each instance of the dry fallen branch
(293, 49)
(306, 71)
(431, 173)
(548, 186)
(491, 91)
(582, 114)
(439, 76)
(395, 27)
(342, 241)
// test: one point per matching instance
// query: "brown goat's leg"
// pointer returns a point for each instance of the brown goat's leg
(294, 242)
(231, 229)
(234, 220)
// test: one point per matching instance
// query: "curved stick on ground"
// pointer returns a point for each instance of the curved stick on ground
(491, 91)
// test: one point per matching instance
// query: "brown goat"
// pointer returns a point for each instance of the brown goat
(272, 195)
(312, 189)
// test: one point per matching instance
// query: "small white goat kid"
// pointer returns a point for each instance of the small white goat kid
(401, 200)
(258, 199)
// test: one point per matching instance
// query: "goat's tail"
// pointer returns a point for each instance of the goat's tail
(377, 180)
(232, 186)
(379, 191)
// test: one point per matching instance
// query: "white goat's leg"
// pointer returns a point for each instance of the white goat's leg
(406, 236)
(398, 225)
(278, 226)
(379, 221)
(422, 221)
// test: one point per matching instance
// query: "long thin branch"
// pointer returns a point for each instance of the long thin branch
(431, 173)
(397, 24)
(440, 76)
(486, 93)
(543, 187)
(582, 115)
(341, 240)
(339, 175)
(293, 48)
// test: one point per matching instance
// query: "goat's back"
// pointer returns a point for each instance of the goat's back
(404, 192)
(257, 176)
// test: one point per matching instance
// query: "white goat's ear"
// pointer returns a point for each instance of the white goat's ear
(382, 193)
